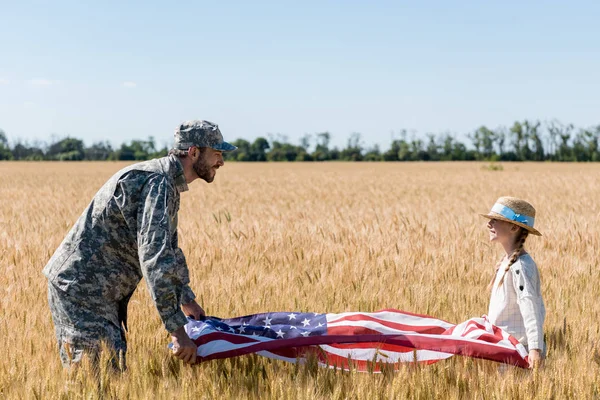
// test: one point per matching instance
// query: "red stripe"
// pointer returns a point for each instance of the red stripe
(433, 329)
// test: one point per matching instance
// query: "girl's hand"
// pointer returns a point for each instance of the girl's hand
(535, 358)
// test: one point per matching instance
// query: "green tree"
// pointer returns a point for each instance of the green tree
(283, 151)
(5, 153)
(321, 152)
(353, 150)
(518, 138)
(67, 149)
(373, 154)
(258, 149)
(532, 135)
(432, 151)
(99, 151)
(242, 153)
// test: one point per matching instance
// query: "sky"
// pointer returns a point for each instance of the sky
(119, 71)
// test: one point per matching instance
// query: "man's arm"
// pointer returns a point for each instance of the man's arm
(189, 304)
(159, 261)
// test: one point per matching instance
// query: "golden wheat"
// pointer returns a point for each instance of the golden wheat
(316, 237)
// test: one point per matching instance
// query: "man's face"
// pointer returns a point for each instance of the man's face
(207, 163)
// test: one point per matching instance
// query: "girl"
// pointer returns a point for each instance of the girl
(516, 304)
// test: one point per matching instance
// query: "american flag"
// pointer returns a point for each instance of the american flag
(353, 340)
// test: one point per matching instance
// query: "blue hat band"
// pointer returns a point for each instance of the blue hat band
(510, 214)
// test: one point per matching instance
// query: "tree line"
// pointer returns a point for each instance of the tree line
(523, 141)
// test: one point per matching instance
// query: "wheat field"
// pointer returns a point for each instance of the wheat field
(327, 237)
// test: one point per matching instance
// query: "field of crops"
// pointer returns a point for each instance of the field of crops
(323, 238)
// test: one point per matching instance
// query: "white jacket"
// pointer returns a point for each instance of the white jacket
(517, 306)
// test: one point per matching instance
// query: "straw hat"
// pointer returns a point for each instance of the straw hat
(515, 211)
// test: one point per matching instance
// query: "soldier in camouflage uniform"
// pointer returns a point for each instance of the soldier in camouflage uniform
(129, 231)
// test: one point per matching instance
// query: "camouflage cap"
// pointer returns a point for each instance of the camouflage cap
(200, 134)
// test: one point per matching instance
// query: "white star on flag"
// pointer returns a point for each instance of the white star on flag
(306, 322)
(292, 327)
(292, 316)
(305, 334)
(267, 321)
(219, 328)
(242, 329)
(280, 333)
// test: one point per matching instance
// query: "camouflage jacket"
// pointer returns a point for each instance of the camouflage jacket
(128, 231)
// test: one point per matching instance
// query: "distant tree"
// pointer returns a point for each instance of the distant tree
(67, 149)
(392, 153)
(561, 135)
(590, 138)
(518, 139)
(432, 148)
(137, 150)
(321, 152)
(500, 136)
(22, 151)
(5, 153)
(459, 152)
(241, 154)
(99, 151)
(483, 141)
(305, 142)
(373, 154)
(532, 135)
(284, 152)
(353, 151)
(258, 149)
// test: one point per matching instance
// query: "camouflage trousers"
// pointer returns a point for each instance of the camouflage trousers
(81, 331)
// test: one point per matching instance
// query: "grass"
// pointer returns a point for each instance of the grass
(324, 238)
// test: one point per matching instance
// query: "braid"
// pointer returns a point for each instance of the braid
(515, 254)
(491, 284)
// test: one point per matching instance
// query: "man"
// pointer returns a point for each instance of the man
(129, 231)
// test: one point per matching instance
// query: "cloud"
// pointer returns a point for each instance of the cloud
(129, 84)
(42, 82)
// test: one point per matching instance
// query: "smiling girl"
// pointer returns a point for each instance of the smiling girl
(516, 303)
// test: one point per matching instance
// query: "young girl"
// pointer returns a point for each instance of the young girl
(516, 304)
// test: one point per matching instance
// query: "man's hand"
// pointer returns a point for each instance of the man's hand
(194, 310)
(183, 347)
(535, 358)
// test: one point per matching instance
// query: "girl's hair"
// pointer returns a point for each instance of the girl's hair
(515, 254)
(491, 284)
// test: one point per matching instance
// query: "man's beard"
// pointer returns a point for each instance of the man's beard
(202, 170)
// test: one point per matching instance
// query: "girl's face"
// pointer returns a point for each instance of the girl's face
(502, 231)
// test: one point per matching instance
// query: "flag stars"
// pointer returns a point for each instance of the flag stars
(280, 333)
(292, 316)
(305, 333)
(242, 329)
(320, 325)
(267, 321)
(306, 322)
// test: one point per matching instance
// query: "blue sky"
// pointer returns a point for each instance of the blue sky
(128, 70)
